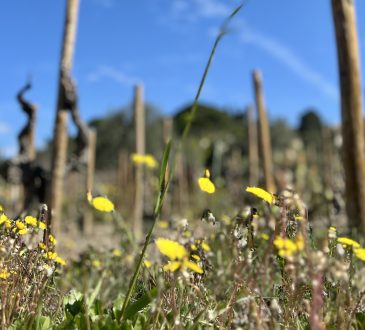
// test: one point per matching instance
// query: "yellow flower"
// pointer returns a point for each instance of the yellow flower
(285, 246)
(360, 253)
(147, 160)
(52, 239)
(60, 261)
(205, 247)
(3, 218)
(117, 253)
(51, 255)
(96, 263)
(196, 257)
(150, 161)
(1, 208)
(100, 203)
(4, 274)
(42, 246)
(178, 256)
(205, 184)
(20, 228)
(261, 193)
(171, 249)
(7, 223)
(147, 263)
(348, 242)
(31, 220)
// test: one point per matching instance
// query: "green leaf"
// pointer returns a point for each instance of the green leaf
(73, 303)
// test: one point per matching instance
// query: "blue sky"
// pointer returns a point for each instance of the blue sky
(165, 44)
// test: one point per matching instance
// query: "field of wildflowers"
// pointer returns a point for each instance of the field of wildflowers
(265, 264)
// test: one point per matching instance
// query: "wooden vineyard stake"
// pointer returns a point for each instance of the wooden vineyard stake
(253, 151)
(351, 110)
(264, 134)
(60, 130)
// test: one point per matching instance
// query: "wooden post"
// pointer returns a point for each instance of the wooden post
(253, 151)
(264, 132)
(60, 130)
(351, 110)
(90, 173)
(139, 124)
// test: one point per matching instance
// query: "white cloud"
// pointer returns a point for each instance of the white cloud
(108, 72)
(288, 58)
(197, 9)
(4, 128)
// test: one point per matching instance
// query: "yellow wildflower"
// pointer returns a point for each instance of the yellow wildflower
(205, 247)
(147, 263)
(171, 249)
(196, 257)
(42, 246)
(4, 274)
(261, 193)
(52, 239)
(360, 253)
(348, 242)
(7, 223)
(100, 203)
(178, 256)
(51, 255)
(147, 160)
(60, 261)
(3, 218)
(96, 263)
(205, 184)
(20, 228)
(117, 253)
(31, 220)
(285, 246)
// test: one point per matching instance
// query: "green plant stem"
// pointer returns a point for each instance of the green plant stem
(165, 179)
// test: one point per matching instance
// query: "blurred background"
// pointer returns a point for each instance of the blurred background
(163, 45)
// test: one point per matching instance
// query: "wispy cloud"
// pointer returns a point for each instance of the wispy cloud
(198, 9)
(108, 72)
(287, 57)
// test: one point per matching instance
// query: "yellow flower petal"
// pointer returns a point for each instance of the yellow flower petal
(172, 266)
(31, 220)
(348, 242)
(171, 249)
(206, 185)
(117, 253)
(193, 266)
(261, 193)
(102, 204)
(147, 263)
(360, 253)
